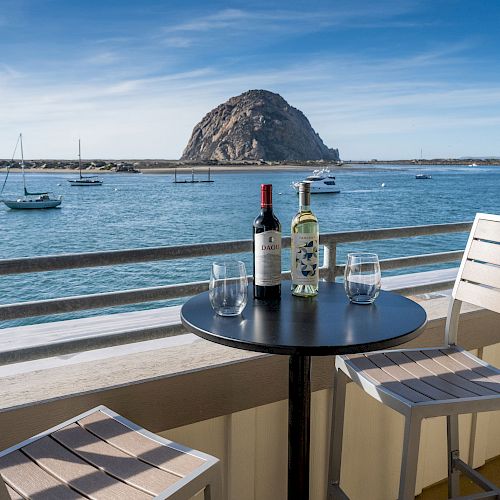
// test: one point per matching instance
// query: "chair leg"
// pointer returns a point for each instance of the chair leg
(453, 452)
(411, 443)
(337, 430)
(4, 494)
(213, 490)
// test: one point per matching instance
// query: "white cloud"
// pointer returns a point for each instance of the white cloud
(221, 19)
(103, 58)
(179, 42)
(269, 21)
(7, 73)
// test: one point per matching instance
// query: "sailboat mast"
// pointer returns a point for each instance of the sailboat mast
(79, 158)
(22, 163)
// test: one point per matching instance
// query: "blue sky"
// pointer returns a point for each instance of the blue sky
(377, 79)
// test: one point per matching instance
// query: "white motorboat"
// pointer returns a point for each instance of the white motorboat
(322, 181)
(84, 180)
(30, 200)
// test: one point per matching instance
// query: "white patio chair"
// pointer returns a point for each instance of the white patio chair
(103, 456)
(426, 383)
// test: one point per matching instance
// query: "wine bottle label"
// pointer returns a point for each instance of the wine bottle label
(305, 258)
(268, 258)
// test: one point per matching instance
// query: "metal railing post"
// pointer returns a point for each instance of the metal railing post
(330, 260)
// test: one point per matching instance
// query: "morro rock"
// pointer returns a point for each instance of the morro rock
(256, 125)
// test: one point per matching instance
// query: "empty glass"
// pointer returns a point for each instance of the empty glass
(228, 287)
(362, 277)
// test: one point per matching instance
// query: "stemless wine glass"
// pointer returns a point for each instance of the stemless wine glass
(362, 277)
(228, 287)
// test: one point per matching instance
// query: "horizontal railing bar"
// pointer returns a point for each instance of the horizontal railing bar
(413, 261)
(425, 288)
(394, 232)
(122, 297)
(72, 345)
(118, 257)
(106, 299)
(99, 300)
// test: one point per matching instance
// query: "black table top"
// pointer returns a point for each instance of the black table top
(323, 325)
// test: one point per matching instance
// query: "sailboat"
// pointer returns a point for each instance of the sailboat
(84, 180)
(31, 200)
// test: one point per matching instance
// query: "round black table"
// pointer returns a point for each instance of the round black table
(324, 325)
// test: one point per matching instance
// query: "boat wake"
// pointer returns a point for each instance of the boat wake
(362, 191)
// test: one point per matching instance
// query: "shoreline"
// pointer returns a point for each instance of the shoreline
(215, 169)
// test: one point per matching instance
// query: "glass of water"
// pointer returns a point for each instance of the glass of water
(362, 277)
(228, 287)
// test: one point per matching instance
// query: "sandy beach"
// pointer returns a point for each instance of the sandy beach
(214, 170)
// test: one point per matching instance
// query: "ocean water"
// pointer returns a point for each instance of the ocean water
(132, 211)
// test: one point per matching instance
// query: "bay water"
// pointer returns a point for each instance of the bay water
(144, 210)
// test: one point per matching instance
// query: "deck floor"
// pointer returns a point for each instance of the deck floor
(490, 470)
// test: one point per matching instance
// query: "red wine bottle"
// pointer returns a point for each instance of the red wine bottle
(266, 249)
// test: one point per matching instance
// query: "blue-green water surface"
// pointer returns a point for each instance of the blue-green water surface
(131, 211)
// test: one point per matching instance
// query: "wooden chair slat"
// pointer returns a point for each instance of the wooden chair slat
(31, 481)
(481, 273)
(80, 475)
(488, 298)
(456, 356)
(437, 380)
(484, 373)
(488, 230)
(114, 461)
(485, 252)
(452, 374)
(140, 446)
(473, 372)
(371, 371)
(415, 383)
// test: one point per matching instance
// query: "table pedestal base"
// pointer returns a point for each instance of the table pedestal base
(299, 416)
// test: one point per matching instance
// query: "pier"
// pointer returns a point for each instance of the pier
(191, 180)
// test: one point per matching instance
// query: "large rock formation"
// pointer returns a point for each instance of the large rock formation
(256, 125)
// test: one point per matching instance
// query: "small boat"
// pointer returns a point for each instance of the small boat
(423, 176)
(42, 200)
(84, 180)
(321, 182)
(472, 165)
(30, 200)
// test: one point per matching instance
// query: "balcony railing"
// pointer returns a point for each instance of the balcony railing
(224, 401)
(329, 270)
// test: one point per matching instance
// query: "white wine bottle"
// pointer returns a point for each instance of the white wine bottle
(305, 245)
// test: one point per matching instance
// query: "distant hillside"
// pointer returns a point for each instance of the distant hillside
(256, 125)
